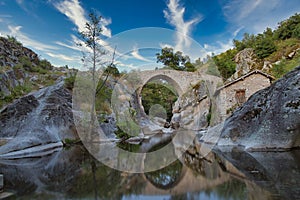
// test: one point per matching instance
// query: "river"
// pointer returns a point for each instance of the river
(72, 173)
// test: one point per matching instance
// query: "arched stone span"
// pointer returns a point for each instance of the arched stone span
(180, 80)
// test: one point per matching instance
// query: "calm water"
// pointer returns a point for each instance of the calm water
(74, 174)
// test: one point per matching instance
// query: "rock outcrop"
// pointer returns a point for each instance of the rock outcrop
(246, 61)
(269, 120)
(12, 51)
(191, 110)
(40, 118)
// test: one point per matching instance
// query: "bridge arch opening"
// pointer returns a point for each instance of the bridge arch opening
(158, 96)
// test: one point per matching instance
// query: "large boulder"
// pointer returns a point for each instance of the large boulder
(269, 120)
(38, 119)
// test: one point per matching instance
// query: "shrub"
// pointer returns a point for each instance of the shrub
(69, 82)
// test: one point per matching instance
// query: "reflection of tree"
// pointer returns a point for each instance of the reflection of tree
(97, 181)
(233, 189)
(167, 177)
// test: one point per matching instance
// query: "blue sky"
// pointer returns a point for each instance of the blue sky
(196, 27)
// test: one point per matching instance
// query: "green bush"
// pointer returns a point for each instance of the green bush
(225, 64)
(69, 82)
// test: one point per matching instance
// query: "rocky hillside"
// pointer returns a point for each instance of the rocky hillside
(12, 51)
(274, 51)
(22, 71)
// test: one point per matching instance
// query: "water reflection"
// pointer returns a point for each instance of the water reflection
(167, 177)
(232, 174)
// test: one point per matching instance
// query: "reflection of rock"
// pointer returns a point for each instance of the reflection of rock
(269, 120)
(279, 173)
(41, 118)
(55, 172)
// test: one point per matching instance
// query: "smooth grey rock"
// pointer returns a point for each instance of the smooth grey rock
(40, 118)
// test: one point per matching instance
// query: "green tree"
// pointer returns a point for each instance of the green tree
(288, 28)
(176, 60)
(158, 93)
(225, 64)
(248, 41)
(264, 45)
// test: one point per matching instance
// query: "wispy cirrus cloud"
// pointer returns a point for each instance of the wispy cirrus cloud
(63, 57)
(75, 12)
(255, 16)
(222, 46)
(135, 53)
(175, 17)
(29, 7)
(27, 41)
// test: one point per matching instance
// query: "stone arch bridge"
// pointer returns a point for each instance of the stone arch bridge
(180, 80)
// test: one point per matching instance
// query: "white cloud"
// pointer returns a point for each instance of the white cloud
(175, 16)
(16, 31)
(163, 45)
(63, 57)
(20, 2)
(255, 16)
(126, 66)
(221, 46)
(135, 54)
(75, 12)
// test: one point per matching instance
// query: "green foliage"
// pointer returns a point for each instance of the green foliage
(176, 60)
(16, 92)
(129, 147)
(112, 70)
(69, 141)
(288, 28)
(122, 135)
(248, 41)
(14, 40)
(103, 98)
(69, 82)
(212, 68)
(264, 45)
(42, 68)
(225, 63)
(285, 66)
(128, 127)
(189, 67)
(158, 93)
(45, 64)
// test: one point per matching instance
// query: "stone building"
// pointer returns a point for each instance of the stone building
(235, 93)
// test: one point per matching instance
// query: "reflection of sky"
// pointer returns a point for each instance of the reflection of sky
(197, 195)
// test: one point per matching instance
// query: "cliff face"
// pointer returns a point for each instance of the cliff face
(270, 119)
(12, 51)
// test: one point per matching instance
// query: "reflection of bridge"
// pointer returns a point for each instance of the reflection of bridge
(187, 182)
